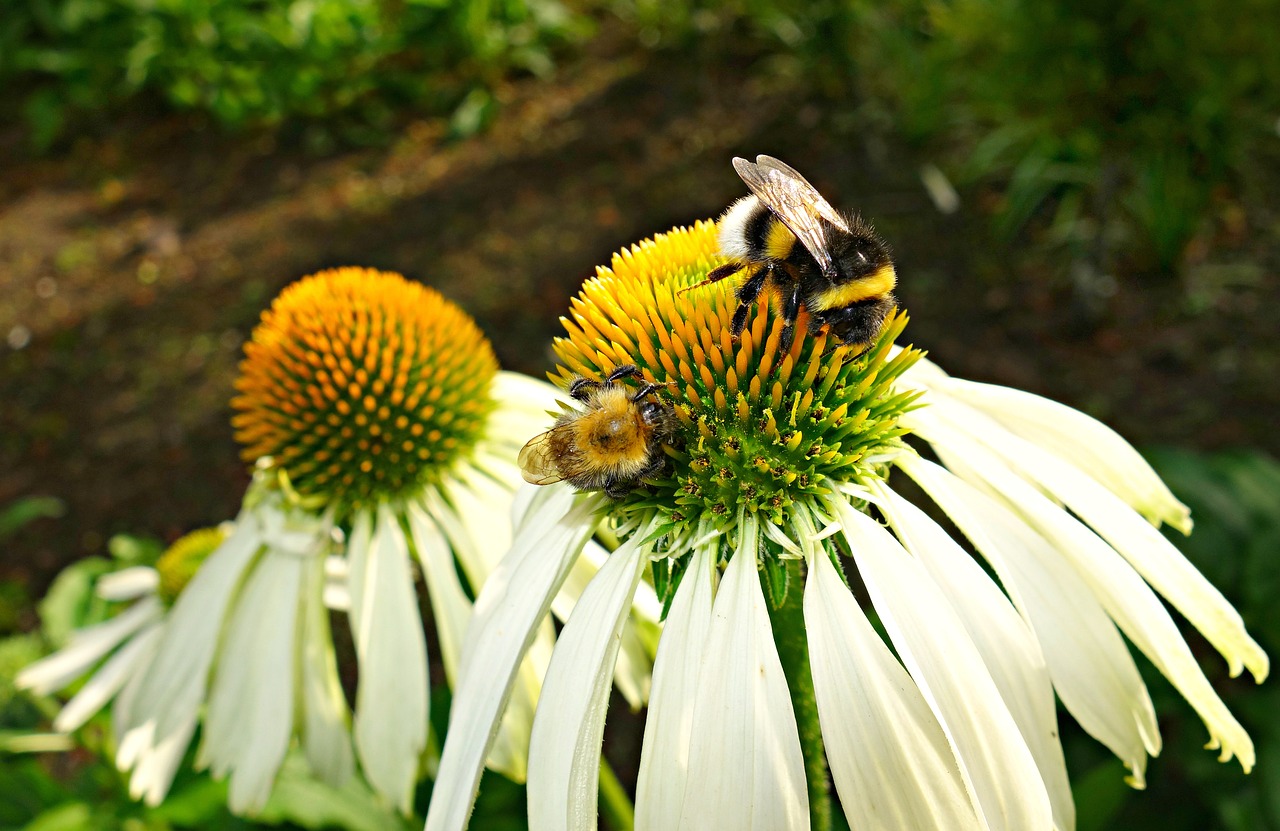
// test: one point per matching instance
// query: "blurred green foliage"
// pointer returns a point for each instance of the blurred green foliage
(1118, 121)
(349, 62)
(1119, 124)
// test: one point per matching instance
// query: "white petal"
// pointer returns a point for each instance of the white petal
(633, 670)
(511, 605)
(154, 763)
(510, 752)
(1083, 441)
(1154, 557)
(890, 760)
(475, 524)
(336, 596)
(174, 685)
(1002, 637)
(86, 647)
(452, 611)
(634, 666)
(564, 748)
(994, 760)
(664, 757)
(1092, 670)
(746, 769)
(450, 606)
(127, 583)
(1129, 601)
(325, 719)
(250, 714)
(391, 699)
(108, 680)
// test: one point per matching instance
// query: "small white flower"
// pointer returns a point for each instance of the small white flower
(128, 642)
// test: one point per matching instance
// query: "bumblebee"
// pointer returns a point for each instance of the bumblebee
(610, 444)
(787, 238)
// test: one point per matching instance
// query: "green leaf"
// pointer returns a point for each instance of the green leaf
(70, 817)
(131, 550)
(28, 509)
(1099, 796)
(302, 799)
(71, 603)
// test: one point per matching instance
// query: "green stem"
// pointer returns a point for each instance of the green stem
(614, 802)
(793, 649)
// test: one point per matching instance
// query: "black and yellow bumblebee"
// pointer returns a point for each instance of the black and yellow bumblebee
(611, 444)
(787, 238)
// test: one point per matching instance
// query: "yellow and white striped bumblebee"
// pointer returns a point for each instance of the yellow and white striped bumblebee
(787, 238)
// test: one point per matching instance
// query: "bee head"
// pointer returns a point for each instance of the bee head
(857, 254)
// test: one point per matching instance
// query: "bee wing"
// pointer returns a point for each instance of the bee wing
(793, 201)
(537, 464)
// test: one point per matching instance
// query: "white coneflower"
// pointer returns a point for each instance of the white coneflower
(130, 639)
(769, 673)
(381, 428)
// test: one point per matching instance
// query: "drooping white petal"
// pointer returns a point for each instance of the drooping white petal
(995, 763)
(1129, 601)
(174, 684)
(890, 760)
(250, 713)
(108, 680)
(512, 603)
(325, 735)
(634, 666)
(441, 535)
(664, 756)
(564, 748)
(633, 669)
(1007, 646)
(1085, 442)
(450, 606)
(1147, 550)
(473, 522)
(86, 647)
(1091, 668)
(391, 700)
(745, 763)
(127, 583)
(153, 763)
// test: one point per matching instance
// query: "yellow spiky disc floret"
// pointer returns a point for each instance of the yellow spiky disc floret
(758, 430)
(179, 562)
(360, 386)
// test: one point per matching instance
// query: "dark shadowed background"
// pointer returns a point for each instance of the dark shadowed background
(164, 171)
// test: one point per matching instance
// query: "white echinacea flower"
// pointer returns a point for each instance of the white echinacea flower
(383, 432)
(780, 467)
(128, 642)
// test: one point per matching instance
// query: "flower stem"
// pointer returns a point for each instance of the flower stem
(614, 802)
(793, 649)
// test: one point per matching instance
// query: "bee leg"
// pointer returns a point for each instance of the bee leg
(646, 390)
(790, 311)
(624, 371)
(615, 489)
(581, 388)
(747, 294)
(716, 275)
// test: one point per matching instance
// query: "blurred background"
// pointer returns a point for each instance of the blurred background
(1081, 197)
